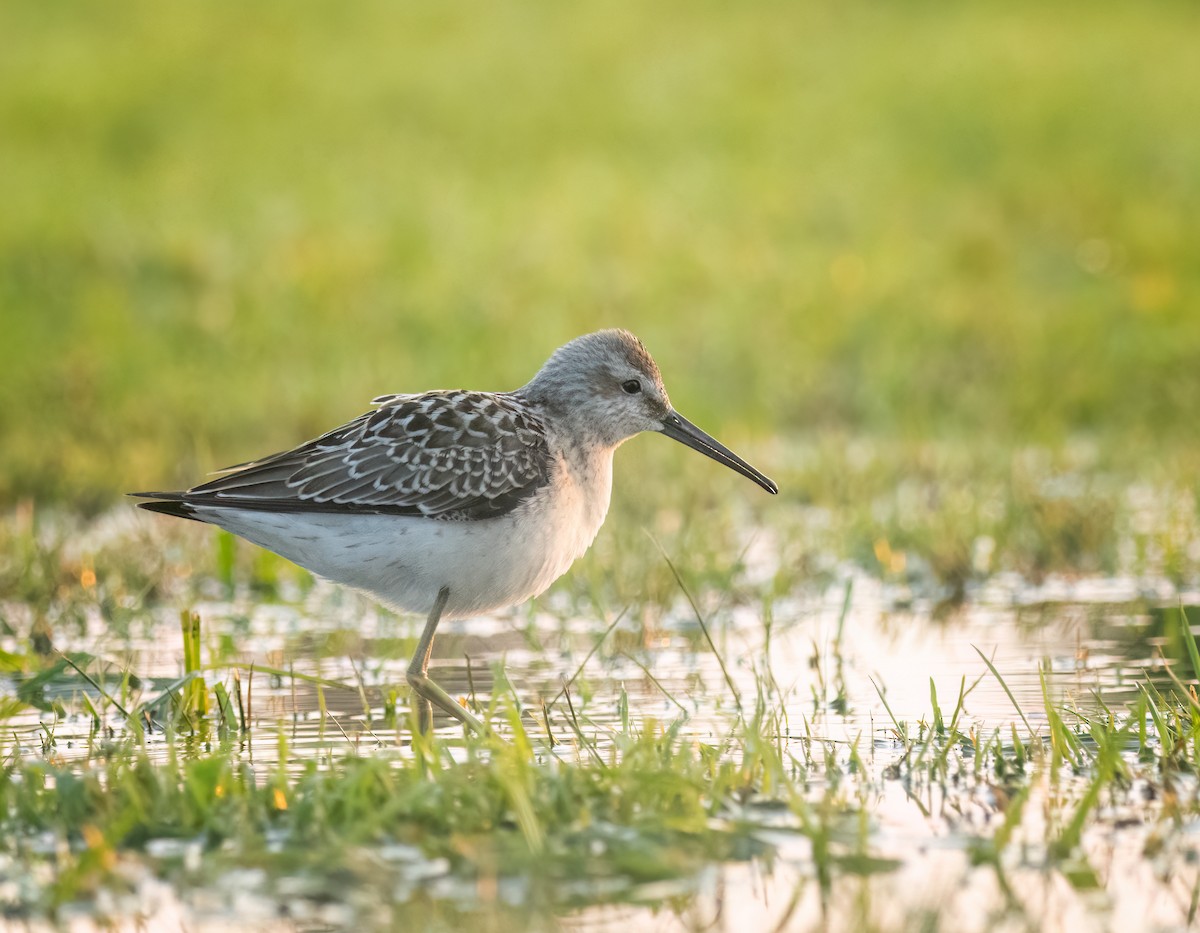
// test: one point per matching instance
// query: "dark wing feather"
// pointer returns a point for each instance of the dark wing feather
(448, 455)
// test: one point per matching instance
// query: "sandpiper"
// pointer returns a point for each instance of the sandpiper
(456, 503)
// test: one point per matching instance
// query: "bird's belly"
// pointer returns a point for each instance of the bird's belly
(404, 561)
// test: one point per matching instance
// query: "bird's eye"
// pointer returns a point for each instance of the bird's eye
(632, 386)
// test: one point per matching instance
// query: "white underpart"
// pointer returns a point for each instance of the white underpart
(404, 561)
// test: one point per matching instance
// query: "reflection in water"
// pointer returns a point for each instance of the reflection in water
(335, 666)
(326, 678)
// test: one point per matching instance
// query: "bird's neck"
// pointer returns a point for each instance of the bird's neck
(586, 455)
(590, 466)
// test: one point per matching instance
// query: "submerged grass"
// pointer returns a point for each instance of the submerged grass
(945, 255)
(115, 774)
(645, 814)
(565, 807)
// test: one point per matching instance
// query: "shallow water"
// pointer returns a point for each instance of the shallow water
(1091, 638)
(318, 671)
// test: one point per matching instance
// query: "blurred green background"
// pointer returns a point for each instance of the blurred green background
(225, 227)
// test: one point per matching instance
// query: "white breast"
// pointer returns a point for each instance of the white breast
(404, 561)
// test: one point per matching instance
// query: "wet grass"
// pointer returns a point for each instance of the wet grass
(466, 817)
(932, 269)
(582, 799)
(660, 809)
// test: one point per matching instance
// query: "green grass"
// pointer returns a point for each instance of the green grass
(225, 229)
(648, 816)
(113, 770)
(932, 269)
(622, 813)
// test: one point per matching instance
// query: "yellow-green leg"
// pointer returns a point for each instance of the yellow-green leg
(428, 693)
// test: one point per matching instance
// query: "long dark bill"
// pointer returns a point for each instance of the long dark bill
(679, 428)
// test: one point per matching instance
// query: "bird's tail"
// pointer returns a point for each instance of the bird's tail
(168, 503)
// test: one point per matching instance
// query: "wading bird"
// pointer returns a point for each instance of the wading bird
(456, 503)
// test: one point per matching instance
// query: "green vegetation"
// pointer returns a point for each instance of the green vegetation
(932, 269)
(226, 228)
(576, 801)
(272, 753)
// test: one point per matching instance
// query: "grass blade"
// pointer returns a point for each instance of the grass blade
(1009, 693)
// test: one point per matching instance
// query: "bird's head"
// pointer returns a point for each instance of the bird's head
(607, 387)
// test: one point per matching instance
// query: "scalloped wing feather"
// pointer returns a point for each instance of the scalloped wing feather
(447, 455)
